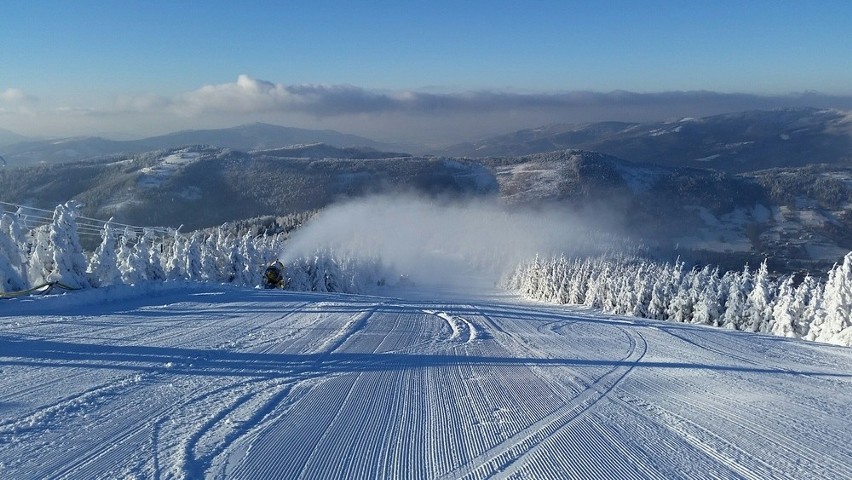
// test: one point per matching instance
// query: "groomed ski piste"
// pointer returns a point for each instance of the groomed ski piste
(183, 380)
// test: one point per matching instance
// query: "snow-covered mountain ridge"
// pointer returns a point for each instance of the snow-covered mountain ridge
(733, 143)
(797, 217)
(248, 137)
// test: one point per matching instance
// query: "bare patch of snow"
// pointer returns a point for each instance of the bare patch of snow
(706, 216)
(156, 175)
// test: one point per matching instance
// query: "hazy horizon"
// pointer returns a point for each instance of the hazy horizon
(429, 74)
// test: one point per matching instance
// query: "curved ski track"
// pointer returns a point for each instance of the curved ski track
(231, 383)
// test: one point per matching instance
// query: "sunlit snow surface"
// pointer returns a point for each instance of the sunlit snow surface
(214, 382)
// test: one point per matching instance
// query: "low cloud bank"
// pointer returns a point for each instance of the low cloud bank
(416, 116)
(251, 95)
(440, 243)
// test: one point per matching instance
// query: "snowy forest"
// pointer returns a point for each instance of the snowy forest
(804, 308)
(33, 260)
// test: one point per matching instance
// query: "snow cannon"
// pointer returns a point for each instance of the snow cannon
(273, 277)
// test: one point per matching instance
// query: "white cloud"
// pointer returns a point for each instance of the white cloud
(249, 95)
(435, 117)
(253, 96)
(16, 96)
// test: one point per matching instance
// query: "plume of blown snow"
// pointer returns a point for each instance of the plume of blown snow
(436, 242)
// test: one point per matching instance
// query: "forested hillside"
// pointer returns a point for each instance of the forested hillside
(734, 142)
(798, 218)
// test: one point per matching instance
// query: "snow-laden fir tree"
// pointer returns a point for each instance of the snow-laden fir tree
(662, 292)
(680, 306)
(194, 270)
(250, 273)
(579, 281)
(152, 246)
(132, 258)
(642, 284)
(836, 326)
(597, 285)
(12, 270)
(175, 261)
(40, 263)
(103, 268)
(807, 301)
(739, 287)
(759, 311)
(14, 243)
(784, 311)
(211, 265)
(708, 305)
(69, 263)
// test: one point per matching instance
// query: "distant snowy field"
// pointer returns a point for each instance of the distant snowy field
(204, 381)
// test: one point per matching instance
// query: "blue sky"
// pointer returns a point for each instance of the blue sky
(135, 66)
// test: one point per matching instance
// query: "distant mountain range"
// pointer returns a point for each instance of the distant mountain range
(737, 142)
(733, 143)
(724, 189)
(7, 137)
(256, 136)
(798, 217)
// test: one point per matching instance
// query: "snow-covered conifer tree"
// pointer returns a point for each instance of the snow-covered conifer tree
(784, 310)
(759, 309)
(103, 269)
(41, 258)
(12, 270)
(251, 271)
(152, 256)
(297, 275)
(596, 291)
(837, 303)
(708, 306)
(680, 307)
(579, 283)
(667, 278)
(806, 302)
(642, 285)
(327, 274)
(131, 258)
(735, 309)
(175, 262)
(194, 269)
(69, 263)
(236, 264)
(210, 265)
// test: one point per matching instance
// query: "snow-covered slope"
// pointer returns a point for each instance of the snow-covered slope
(734, 142)
(216, 382)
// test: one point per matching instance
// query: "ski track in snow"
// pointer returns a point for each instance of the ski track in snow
(231, 383)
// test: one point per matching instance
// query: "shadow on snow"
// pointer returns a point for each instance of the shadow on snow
(181, 361)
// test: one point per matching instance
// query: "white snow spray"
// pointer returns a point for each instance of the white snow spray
(439, 242)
